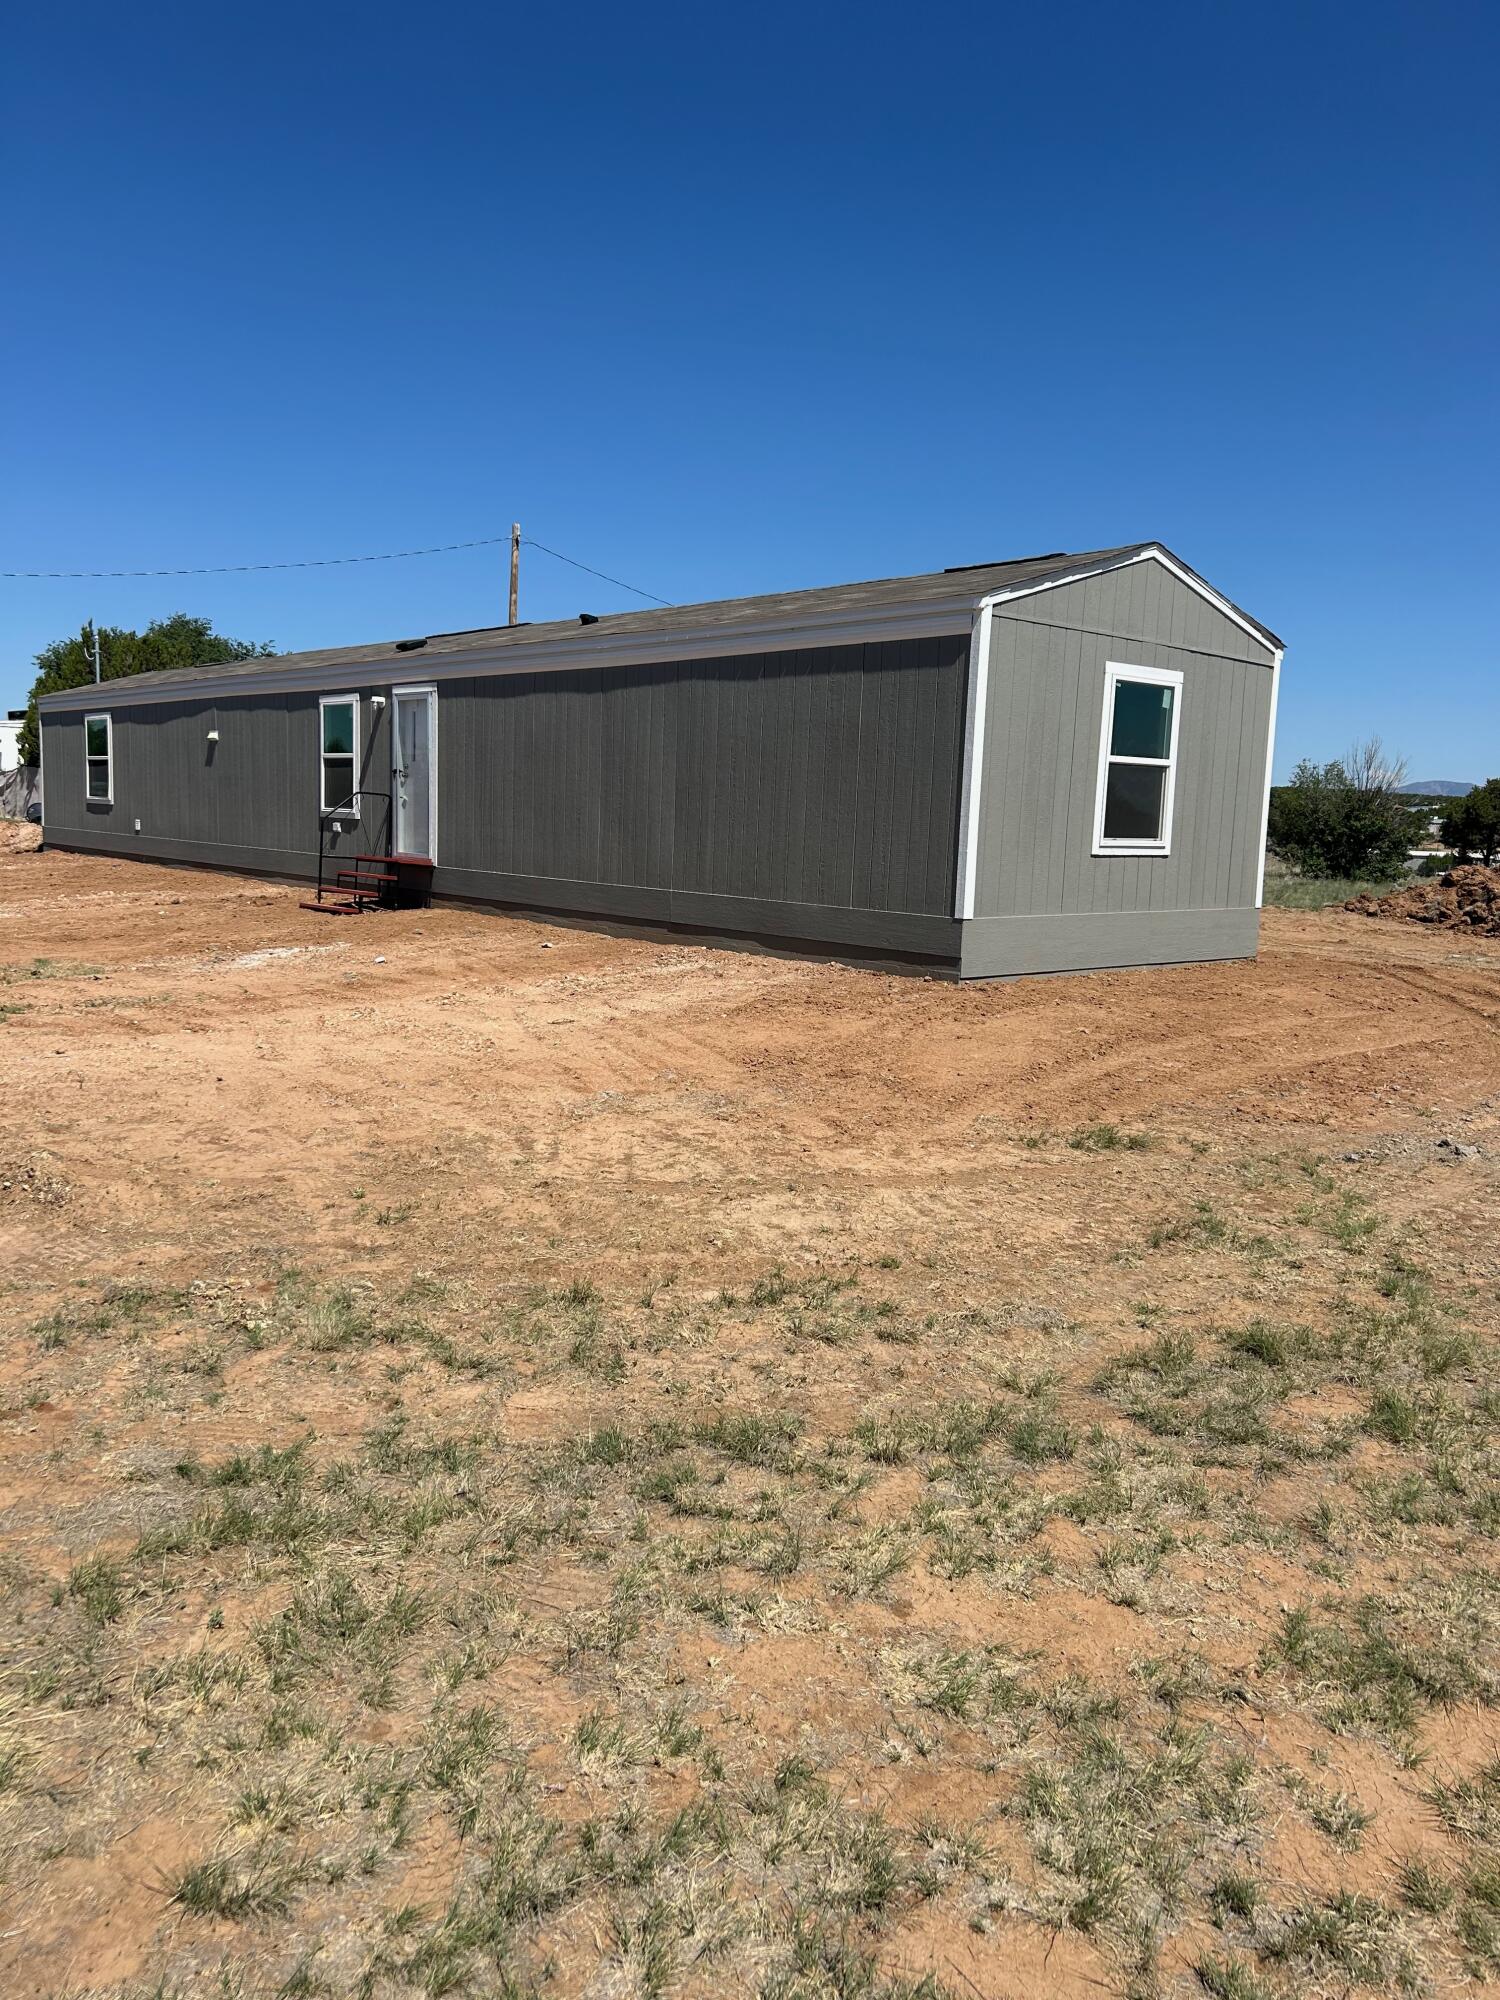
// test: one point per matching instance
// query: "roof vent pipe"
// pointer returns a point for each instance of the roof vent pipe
(587, 618)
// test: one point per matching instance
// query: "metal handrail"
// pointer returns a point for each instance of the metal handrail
(327, 813)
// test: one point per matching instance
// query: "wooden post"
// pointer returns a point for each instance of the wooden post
(515, 571)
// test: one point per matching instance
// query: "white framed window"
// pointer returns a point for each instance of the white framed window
(99, 760)
(338, 746)
(1137, 760)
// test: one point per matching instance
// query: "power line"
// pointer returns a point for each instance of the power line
(320, 562)
(238, 569)
(530, 544)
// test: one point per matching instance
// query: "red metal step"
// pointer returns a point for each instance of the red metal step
(354, 878)
(335, 909)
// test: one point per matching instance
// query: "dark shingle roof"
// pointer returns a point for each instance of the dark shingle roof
(969, 581)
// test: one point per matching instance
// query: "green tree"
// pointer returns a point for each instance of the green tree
(1471, 826)
(178, 641)
(1345, 818)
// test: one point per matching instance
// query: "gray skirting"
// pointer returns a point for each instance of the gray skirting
(984, 948)
(104, 839)
(898, 932)
(1002, 947)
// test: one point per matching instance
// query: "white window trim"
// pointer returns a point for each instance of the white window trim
(1116, 671)
(324, 804)
(108, 759)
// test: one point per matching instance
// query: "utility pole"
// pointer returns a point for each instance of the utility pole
(515, 571)
(95, 630)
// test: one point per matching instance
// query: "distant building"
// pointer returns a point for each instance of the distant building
(10, 740)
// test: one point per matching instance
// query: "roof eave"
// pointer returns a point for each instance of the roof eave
(594, 647)
(600, 646)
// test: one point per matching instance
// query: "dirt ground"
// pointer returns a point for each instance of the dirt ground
(539, 1462)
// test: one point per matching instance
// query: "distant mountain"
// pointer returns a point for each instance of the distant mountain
(1436, 788)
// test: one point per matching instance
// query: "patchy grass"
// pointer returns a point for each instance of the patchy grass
(1318, 892)
(48, 968)
(1109, 1139)
(721, 1639)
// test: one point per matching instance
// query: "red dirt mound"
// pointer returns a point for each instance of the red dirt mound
(1467, 898)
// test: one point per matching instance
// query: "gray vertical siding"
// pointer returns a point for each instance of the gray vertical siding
(810, 795)
(556, 776)
(248, 801)
(1038, 885)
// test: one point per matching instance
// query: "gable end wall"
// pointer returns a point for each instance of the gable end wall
(1043, 900)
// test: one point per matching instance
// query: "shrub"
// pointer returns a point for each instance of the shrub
(1344, 818)
(1471, 826)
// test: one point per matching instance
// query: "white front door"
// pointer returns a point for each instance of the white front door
(414, 771)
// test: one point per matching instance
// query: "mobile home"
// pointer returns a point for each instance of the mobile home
(1051, 764)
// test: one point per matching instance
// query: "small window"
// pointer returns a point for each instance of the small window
(99, 759)
(339, 720)
(1137, 760)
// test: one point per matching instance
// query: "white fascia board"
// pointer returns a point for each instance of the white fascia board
(911, 620)
(1265, 804)
(973, 768)
(1152, 554)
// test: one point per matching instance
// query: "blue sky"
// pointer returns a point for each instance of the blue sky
(725, 301)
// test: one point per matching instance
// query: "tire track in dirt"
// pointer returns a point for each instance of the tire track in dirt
(634, 1090)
